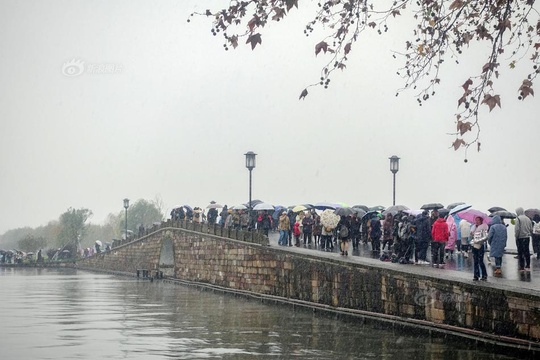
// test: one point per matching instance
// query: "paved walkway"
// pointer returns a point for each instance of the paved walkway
(456, 268)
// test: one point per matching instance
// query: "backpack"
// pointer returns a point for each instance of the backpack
(536, 228)
(343, 231)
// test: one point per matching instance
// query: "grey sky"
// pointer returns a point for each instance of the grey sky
(173, 115)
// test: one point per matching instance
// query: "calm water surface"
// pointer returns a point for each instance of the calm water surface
(72, 314)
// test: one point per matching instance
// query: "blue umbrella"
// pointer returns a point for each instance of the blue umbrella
(188, 207)
(324, 206)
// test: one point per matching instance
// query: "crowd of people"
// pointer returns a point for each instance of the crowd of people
(397, 237)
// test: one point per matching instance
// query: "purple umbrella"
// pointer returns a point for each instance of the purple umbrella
(471, 214)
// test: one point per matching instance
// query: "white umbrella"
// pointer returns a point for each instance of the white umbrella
(459, 208)
(99, 243)
(239, 207)
(329, 219)
(263, 206)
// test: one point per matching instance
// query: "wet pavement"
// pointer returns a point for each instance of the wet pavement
(457, 267)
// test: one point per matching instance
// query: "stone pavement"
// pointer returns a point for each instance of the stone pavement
(456, 268)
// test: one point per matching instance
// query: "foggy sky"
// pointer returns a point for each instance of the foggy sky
(172, 113)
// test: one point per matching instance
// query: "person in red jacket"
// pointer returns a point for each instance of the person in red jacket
(439, 234)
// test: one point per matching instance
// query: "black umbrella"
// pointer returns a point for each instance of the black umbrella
(369, 214)
(394, 209)
(496, 208)
(453, 205)
(432, 206)
(503, 214)
(363, 207)
(531, 212)
(377, 208)
(359, 212)
(344, 211)
(444, 212)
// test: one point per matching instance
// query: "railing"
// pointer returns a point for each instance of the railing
(251, 236)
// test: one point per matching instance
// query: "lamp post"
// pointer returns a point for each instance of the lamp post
(126, 205)
(250, 165)
(394, 168)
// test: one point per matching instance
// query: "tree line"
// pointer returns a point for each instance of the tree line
(73, 228)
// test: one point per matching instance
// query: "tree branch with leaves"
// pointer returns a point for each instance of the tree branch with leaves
(444, 30)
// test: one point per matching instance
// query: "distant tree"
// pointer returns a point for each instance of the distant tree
(31, 243)
(10, 239)
(73, 226)
(141, 212)
(442, 30)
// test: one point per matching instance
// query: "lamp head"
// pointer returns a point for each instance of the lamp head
(394, 164)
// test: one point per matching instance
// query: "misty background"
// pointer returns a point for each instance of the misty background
(106, 100)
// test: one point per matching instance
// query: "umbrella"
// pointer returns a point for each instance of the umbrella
(471, 214)
(188, 207)
(263, 206)
(413, 212)
(344, 211)
(503, 214)
(359, 212)
(496, 208)
(239, 207)
(363, 207)
(459, 208)
(453, 205)
(531, 212)
(324, 206)
(214, 205)
(329, 219)
(444, 212)
(369, 214)
(253, 203)
(394, 209)
(377, 208)
(299, 208)
(432, 206)
(341, 204)
(99, 243)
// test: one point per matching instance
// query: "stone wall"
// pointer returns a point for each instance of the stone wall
(480, 311)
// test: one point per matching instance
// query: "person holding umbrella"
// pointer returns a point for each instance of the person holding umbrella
(344, 235)
(479, 235)
(536, 235)
(439, 234)
(523, 231)
(284, 226)
(423, 238)
(497, 237)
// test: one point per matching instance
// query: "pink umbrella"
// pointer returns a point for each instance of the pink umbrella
(471, 214)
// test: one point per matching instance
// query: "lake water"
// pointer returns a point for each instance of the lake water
(73, 314)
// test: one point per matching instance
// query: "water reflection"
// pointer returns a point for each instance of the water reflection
(69, 314)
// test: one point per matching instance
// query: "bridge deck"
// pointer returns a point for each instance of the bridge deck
(456, 268)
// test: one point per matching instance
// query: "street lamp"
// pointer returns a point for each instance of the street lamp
(394, 168)
(250, 165)
(126, 205)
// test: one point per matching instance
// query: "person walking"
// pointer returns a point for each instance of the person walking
(439, 234)
(388, 232)
(423, 238)
(375, 235)
(344, 235)
(465, 230)
(479, 235)
(283, 227)
(307, 228)
(497, 237)
(536, 235)
(523, 231)
(452, 237)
